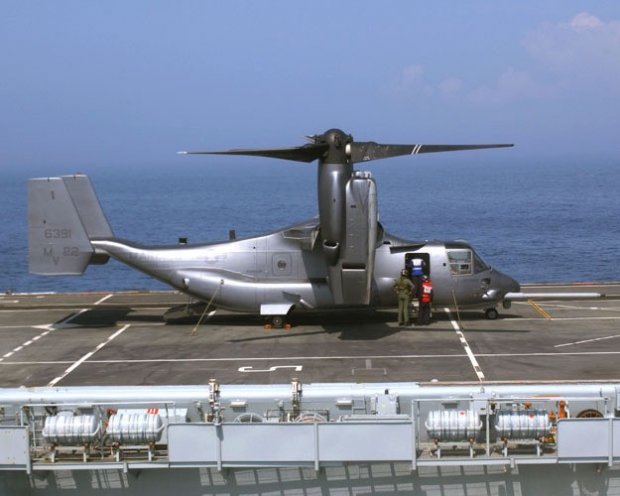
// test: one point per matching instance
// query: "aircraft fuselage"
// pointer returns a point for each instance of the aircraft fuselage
(275, 272)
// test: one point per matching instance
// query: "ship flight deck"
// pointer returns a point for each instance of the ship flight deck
(83, 339)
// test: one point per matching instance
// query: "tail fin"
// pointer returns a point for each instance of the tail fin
(63, 214)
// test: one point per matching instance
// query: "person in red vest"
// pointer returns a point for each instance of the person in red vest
(425, 294)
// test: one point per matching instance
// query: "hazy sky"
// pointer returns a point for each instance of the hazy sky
(128, 83)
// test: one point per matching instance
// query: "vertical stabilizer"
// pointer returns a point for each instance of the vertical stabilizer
(57, 239)
(87, 206)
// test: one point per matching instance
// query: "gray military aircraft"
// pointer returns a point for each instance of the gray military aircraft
(342, 259)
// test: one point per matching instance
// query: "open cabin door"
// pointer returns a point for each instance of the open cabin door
(426, 262)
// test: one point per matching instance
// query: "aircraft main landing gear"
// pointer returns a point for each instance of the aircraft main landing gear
(277, 322)
(491, 313)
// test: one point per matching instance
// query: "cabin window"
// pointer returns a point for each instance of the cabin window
(461, 262)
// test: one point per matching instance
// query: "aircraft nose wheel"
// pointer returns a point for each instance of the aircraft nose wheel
(491, 313)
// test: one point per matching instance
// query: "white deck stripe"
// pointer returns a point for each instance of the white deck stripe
(28, 343)
(98, 302)
(508, 319)
(58, 309)
(87, 356)
(31, 310)
(558, 319)
(587, 341)
(465, 344)
(16, 327)
(83, 310)
(318, 358)
(587, 306)
(70, 318)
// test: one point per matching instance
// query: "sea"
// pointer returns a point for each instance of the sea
(542, 220)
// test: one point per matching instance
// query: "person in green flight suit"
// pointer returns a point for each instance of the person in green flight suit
(404, 289)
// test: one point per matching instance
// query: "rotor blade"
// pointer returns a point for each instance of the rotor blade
(306, 153)
(364, 151)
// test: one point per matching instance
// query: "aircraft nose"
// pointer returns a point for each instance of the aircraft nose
(500, 285)
(507, 284)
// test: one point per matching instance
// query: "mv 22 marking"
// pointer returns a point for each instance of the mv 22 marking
(67, 251)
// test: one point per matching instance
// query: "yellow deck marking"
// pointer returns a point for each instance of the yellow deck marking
(539, 309)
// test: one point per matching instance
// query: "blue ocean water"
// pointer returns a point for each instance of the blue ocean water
(540, 221)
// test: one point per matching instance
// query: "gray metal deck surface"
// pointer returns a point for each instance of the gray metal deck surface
(122, 339)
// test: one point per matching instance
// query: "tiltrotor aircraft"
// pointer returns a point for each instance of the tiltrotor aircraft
(342, 259)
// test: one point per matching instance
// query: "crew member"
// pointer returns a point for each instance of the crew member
(404, 290)
(425, 294)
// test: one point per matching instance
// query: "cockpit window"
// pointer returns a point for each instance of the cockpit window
(460, 262)
(464, 261)
(479, 264)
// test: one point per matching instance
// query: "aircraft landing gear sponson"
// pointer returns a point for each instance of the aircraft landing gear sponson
(491, 313)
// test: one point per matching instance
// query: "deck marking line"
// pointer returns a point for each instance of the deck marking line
(559, 319)
(98, 302)
(584, 307)
(298, 368)
(70, 318)
(87, 356)
(81, 311)
(539, 309)
(16, 326)
(31, 310)
(45, 327)
(27, 343)
(557, 354)
(587, 341)
(465, 344)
